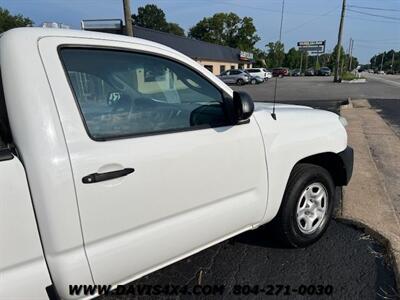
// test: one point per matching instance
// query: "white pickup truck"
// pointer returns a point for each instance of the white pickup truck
(120, 156)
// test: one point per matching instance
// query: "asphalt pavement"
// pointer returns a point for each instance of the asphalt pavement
(346, 259)
(319, 88)
(389, 110)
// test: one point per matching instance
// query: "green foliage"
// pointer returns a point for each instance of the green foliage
(387, 61)
(276, 54)
(226, 29)
(317, 65)
(292, 59)
(260, 58)
(349, 76)
(296, 59)
(153, 17)
(8, 21)
(175, 29)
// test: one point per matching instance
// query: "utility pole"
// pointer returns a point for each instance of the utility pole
(383, 55)
(351, 54)
(392, 63)
(301, 61)
(128, 17)
(339, 43)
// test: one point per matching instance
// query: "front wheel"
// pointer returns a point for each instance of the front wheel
(307, 206)
(253, 81)
(240, 82)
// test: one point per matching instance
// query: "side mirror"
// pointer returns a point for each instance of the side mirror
(243, 106)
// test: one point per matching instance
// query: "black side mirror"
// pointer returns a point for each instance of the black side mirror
(243, 106)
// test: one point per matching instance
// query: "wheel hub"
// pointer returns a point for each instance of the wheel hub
(312, 208)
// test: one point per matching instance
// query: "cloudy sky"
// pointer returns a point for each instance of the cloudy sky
(373, 24)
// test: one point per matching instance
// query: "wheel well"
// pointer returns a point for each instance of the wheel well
(332, 163)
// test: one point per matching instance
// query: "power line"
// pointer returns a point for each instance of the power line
(373, 15)
(373, 8)
(369, 20)
(311, 20)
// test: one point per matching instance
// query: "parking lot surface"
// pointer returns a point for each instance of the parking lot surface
(389, 109)
(346, 258)
(319, 88)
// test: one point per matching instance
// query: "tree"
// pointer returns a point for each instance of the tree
(260, 58)
(276, 54)
(387, 61)
(226, 29)
(332, 59)
(153, 17)
(293, 59)
(8, 21)
(175, 29)
(150, 16)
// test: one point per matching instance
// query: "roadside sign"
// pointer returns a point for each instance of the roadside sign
(314, 47)
(246, 55)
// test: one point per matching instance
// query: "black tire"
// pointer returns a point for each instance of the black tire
(253, 81)
(286, 224)
(240, 82)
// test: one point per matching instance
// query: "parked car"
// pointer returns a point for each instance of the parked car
(381, 72)
(260, 72)
(106, 177)
(235, 76)
(295, 72)
(268, 73)
(280, 72)
(309, 72)
(324, 71)
(255, 79)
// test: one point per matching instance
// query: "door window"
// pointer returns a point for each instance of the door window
(125, 93)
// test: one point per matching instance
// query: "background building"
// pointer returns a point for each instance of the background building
(215, 58)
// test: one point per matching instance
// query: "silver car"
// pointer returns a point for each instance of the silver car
(235, 76)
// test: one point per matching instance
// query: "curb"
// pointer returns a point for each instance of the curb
(361, 80)
(383, 234)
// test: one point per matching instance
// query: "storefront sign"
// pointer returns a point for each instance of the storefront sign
(246, 55)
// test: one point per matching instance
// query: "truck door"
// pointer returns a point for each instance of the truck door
(159, 172)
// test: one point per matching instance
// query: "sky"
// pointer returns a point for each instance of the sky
(303, 19)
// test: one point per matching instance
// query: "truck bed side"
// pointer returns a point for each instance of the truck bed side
(23, 271)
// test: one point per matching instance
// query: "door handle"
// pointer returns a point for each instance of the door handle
(97, 177)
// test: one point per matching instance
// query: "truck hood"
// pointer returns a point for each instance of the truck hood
(294, 117)
(300, 123)
(278, 106)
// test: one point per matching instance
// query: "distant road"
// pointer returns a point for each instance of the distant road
(323, 88)
(393, 80)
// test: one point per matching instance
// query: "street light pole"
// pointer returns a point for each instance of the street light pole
(128, 17)
(392, 62)
(351, 54)
(383, 56)
(339, 43)
(301, 61)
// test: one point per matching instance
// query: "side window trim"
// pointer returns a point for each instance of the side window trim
(225, 98)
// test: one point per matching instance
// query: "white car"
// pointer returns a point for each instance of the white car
(260, 72)
(121, 156)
